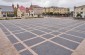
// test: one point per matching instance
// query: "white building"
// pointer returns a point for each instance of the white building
(36, 10)
(79, 12)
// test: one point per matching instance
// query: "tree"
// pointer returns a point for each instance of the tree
(15, 12)
(79, 15)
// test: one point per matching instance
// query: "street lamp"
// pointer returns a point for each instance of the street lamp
(0, 12)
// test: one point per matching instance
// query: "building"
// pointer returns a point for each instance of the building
(27, 12)
(21, 11)
(36, 10)
(7, 11)
(31, 11)
(79, 12)
(56, 11)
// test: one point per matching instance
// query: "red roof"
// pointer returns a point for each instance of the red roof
(22, 8)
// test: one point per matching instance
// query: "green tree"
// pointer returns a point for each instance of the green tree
(79, 15)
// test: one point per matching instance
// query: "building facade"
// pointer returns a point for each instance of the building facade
(21, 11)
(32, 11)
(56, 10)
(37, 11)
(79, 12)
(7, 11)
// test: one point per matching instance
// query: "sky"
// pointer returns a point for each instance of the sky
(45, 3)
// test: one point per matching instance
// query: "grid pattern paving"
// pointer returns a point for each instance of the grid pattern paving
(47, 36)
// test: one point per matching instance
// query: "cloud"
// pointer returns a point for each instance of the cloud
(16, 0)
(46, 3)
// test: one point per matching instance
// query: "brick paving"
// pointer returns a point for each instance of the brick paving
(46, 36)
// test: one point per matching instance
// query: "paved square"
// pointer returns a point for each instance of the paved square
(33, 41)
(49, 48)
(19, 46)
(12, 39)
(66, 43)
(37, 32)
(71, 37)
(25, 35)
(44, 36)
(26, 52)
(48, 36)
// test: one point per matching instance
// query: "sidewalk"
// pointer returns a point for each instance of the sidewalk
(80, 49)
(6, 47)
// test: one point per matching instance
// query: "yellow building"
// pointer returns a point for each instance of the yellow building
(79, 11)
(56, 10)
(63, 10)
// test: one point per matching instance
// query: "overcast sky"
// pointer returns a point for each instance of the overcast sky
(45, 3)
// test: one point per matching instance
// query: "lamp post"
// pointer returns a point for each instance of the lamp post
(0, 12)
(6, 16)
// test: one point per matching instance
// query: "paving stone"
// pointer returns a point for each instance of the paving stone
(33, 41)
(48, 36)
(76, 34)
(7, 33)
(18, 31)
(25, 27)
(55, 33)
(14, 29)
(71, 37)
(62, 30)
(52, 28)
(49, 48)
(29, 29)
(66, 43)
(19, 46)
(81, 29)
(46, 30)
(38, 32)
(39, 27)
(26, 52)
(25, 35)
(1, 26)
(4, 30)
(12, 39)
